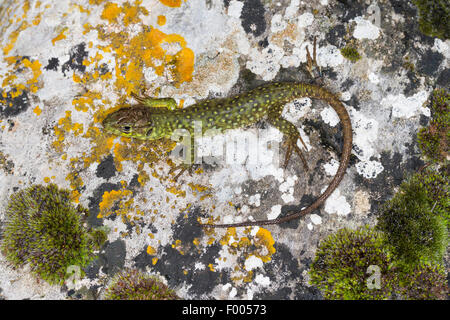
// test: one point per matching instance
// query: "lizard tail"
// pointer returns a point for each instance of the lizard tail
(317, 92)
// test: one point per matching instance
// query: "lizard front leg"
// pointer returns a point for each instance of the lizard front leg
(189, 158)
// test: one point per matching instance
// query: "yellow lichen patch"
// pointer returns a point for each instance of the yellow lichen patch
(196, 241)
(151, 251)
(65, 125)
(231, 233)
(96, 1)
(120, 199)
(37, 19)
(111, 12)
(86, 101)
(161, 20)
(184, 65)
(101, 145)
(264, 238)
(238, 241)
(13, 37)
(172, 3)
(25, 8)
(177, 246)
(177, 192)
(60, 36)
(30, 72)
(35, 68)
(76, 183)
(37, 110)
(139, 151)
(131, 12)
(150, 48)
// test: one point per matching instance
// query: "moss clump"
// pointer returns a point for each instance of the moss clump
(434, 17)
(414, 220)
(341, 266)
(350, 53)
(434, 139)
(425, 282)
(135, 285)
(43, 229)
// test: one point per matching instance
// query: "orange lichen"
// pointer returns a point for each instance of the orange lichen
(151, 251)
(184, 65)
(31, 74)
(161, 20)
(25, 8)
(148, 48)
(261, 245)
(265, 239)
(116, 198)
(111, 12)
(37, 19)
(37, 111)
(177, 192)
(13, 37)
(60, 36)
(131, 12)
(172, 3)
(35, 67)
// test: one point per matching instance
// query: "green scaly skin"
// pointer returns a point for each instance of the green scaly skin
(147, 121)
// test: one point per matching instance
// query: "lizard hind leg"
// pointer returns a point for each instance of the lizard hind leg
(291, 145)
(291, 137)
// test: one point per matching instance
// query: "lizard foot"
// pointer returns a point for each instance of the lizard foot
(291, 145)
(311, 61)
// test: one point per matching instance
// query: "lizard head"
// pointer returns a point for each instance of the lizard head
(133, 122)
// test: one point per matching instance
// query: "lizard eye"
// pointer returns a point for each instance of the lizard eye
(149, 132)
(126, 129)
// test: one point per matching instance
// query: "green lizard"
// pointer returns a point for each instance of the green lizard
(155, 118)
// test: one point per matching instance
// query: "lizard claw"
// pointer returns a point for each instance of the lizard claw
(292, 145)
(311, 61)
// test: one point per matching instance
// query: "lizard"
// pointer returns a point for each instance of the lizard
(157, 118)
